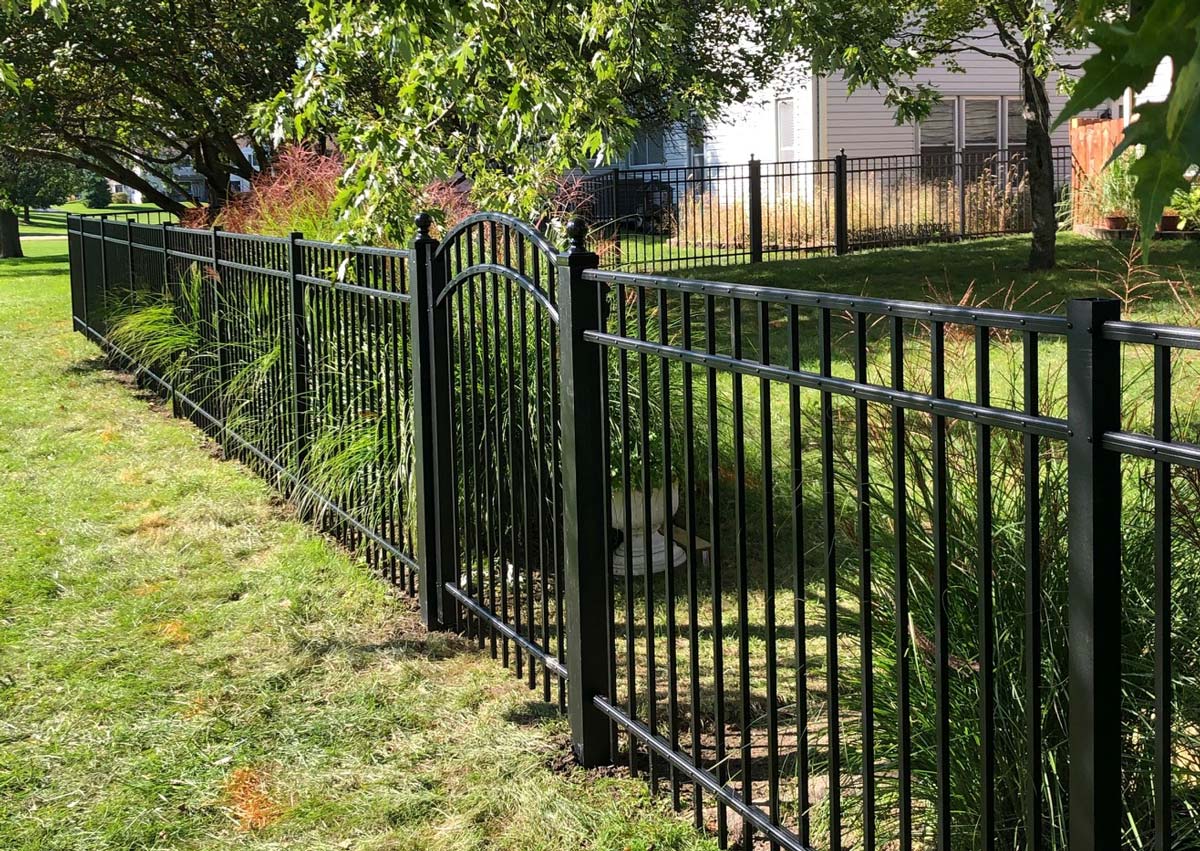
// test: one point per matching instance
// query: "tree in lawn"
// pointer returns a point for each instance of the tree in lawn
(1129, 47)
(96, 193)
(130, 90)
(509, 94)
(25, 184)
(882, 45)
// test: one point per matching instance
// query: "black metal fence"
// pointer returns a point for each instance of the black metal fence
(58, 218)
(833, 571)
(293, 355)
(676, 217)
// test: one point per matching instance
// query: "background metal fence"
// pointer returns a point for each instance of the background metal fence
(677, 217)
(833, 571)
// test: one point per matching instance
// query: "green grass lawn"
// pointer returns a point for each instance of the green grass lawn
(184, 666)
(54, 222)
(990, 272)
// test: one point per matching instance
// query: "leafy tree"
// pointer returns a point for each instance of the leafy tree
(510, 94)
(1130, 47)
(882, 45)
(130, 89)
(24, 185)
(96, 193)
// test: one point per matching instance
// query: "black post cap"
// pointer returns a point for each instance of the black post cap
(577, 232)
(424, 222)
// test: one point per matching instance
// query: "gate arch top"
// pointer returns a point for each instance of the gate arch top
(536, 237)
(504, 228)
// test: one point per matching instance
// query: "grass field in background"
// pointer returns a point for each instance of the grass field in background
(988, 272)
(184, 666)
(55, 222)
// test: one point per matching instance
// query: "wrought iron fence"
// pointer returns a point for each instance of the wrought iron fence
(293, 355)
(834, 571)
(55, 218)
(677, 217)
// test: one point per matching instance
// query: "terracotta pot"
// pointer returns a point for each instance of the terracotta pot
(1116, 222)
(1168, 222)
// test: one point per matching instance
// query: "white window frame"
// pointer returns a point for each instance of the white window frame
(1000, 119)
(1010, 99)
(960, 120)
(779, 146)
(957, 122)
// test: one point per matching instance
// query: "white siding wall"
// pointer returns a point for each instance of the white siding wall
(748, 130)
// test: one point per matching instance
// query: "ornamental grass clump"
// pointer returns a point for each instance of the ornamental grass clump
(1011, 551)
(296, 192)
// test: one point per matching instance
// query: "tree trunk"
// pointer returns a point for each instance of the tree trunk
(1039, 168)
(10, 235)
(27, 219)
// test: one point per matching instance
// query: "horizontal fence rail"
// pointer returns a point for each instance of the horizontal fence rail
(830, 571)
(705, 215)
(58, 218)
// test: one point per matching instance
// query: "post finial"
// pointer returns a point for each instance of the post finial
(424, 222)
(577, 232)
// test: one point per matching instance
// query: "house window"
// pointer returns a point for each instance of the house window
(696, 151)
(1016, 125)
(647, 148)
(937, 130)
(785, 130)
(939, 138)
(981, 124)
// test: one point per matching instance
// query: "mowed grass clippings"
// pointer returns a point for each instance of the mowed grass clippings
(182, 665)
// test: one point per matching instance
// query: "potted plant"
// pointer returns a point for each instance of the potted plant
(644, 491)
(1118, 205)
(1169, 220)
(1186, 202)
(1116, 218)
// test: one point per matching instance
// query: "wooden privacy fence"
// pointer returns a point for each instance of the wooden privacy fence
(1092, 142)
(832, 571)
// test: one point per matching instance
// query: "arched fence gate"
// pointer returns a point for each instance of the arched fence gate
(510, 485)
(838, 571)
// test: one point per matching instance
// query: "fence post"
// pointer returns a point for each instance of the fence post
(583, 480)
(218, 309)
(960, 173)
(1094, 559)
(756, 233)
(102, 326)
(83, 276)
(841, 221)
(166, 263)
(130, 280)
(433, 448)
(299, 351)
(616, 213)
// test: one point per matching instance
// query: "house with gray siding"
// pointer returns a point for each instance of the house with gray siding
(818, 117)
